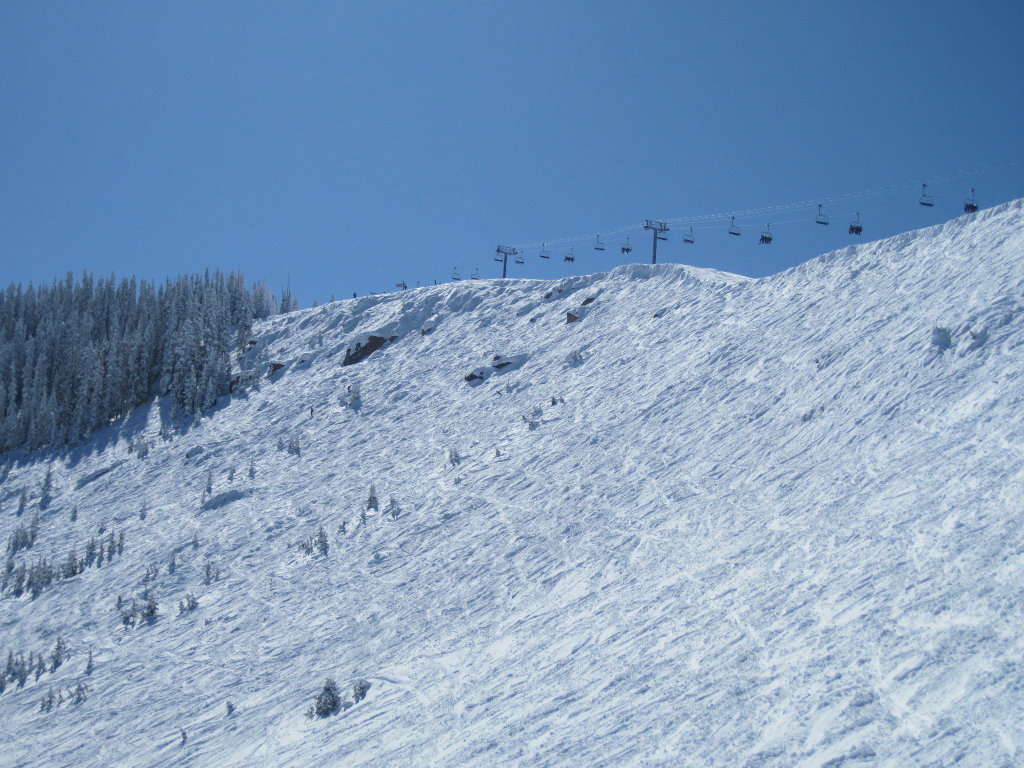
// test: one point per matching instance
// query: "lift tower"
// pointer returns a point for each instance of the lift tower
(657, 227)
(502, 254)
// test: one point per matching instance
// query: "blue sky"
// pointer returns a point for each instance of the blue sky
(345, 147)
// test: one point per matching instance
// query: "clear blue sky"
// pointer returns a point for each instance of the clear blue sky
(347, 146)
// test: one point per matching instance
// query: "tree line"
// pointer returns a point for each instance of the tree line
(81, 352)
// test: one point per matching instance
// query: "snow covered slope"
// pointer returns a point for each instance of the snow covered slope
(711, 521)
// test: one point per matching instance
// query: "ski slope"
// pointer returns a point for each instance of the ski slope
(714, 521)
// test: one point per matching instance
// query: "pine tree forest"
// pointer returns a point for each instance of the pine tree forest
(80, 353)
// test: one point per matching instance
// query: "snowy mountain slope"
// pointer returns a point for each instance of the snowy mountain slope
(712, 521)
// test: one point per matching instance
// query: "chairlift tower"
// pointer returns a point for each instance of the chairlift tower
(658, 227)
(502, 254)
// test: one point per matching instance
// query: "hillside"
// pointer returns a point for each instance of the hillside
(712, 521)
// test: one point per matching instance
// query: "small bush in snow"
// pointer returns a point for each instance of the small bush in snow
(188, 603)
(149, 610)
(46, 491)
(40, 576)
(23, 537)
(60, 652)
(210, 573)
(371, 500)
(316, 543)
(48, 702)
(79, 693)
(327, 702)
(230, 708)
(359, 690)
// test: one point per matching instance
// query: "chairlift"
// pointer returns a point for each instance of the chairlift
(821, 218)
(766, 235)
(855, 227)
(570, 257)
(544, 251)
(688, 238)
(475, 275)
(925, 198)
(520, 259)
(455, 274)
(598, 245)
(970, 204)
(626, 247)
(403, 285)
(733, 229)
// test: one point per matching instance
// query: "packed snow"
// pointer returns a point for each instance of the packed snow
(659, 516)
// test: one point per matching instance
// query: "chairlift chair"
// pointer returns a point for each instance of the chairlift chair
(925, 198)
(626, 247)
(855, 227)
(733, 229)
(520, 259)
(475, 275)
(821, 218)
(766, 234)
(570, 256)
(455, 275)
(970, 204)
(598, 245)
(544, 251)
(688, 238)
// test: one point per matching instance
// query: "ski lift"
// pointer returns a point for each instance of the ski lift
(455, 274)
(821, 218)
(403, 285)
(626, 247)
(766, 235)
(855, 227)
(475, 275)
(970, 204)
(688, 238)
(544, 251)
(570, 257)
(520, 259)
(925, 198)
(733, 229)
(598, 245)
